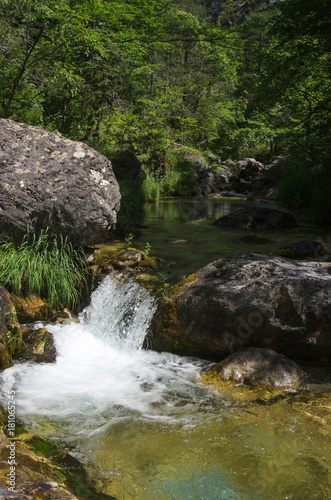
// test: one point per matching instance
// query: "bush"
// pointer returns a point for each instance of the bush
(178, 183)
(151, 188)
(295, 189)
(43, 265)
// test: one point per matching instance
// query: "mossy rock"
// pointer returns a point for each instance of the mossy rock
(38, 346)
(311, 250)
(10, 330)
(32, 308)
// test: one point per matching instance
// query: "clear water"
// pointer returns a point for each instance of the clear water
(172, 220)
(145, 426)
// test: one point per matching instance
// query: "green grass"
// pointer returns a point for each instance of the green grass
(46, 265)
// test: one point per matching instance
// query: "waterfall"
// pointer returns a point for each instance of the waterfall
(101, 373)
(119, 313)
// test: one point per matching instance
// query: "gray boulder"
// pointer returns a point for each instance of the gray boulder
(249, 300)
(44, 175)
(258, 367)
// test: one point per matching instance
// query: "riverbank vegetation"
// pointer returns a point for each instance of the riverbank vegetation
(224, 79)
(43, 265)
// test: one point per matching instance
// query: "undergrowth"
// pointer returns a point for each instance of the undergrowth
(45, 265)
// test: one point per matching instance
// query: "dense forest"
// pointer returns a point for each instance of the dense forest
(164, 78)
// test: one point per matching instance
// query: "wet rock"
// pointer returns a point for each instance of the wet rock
(31, 308)
(38, 346)
(109, 258)
(10, 331)
(257, 217)
(179, 242)
(29, 481)
(244, 187)
(45, 175)
(248, 300)
(258, 367)
(127, 258)
(302, 250)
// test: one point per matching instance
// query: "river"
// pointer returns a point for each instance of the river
(144, 425)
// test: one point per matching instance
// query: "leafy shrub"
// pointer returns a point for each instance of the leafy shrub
(151, 188)
(44, 265)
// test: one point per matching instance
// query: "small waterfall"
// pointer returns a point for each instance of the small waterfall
(101, 373)
(119, 313)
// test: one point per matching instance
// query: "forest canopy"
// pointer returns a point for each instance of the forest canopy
(226, 78)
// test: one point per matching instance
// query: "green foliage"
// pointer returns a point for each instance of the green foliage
(147, 248)
(151, 188)
(148, 75)
(43, 265)
(177, 183)
(129, 238)
(305, 186)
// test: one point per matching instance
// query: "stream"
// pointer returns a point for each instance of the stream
(141, 422)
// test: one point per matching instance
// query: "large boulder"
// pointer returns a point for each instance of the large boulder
(257, 217)
(258, 367)
(248, 300)
(44, 175)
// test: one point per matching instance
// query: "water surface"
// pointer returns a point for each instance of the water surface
(142, 422)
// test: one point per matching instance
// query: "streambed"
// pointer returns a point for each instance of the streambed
(144, 425)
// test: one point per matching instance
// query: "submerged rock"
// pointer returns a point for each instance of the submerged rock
(302, 250)
(248, 300)
(316, 406)
(31, 308)
(32, 476)
(45, 175)
(255, 239)
(257, 217)
(258, 367)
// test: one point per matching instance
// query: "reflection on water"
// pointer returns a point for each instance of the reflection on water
(181, 232)
(194, 209)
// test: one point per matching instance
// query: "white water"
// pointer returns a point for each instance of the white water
(145, 427)
(101, 374)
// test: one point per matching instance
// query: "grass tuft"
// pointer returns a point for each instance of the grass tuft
(46, 265)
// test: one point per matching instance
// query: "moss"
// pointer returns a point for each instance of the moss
(240, 392)
(5, 357)
(192, 278)
(165, 320)
(48, 480)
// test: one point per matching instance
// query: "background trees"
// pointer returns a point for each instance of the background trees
(157, 77)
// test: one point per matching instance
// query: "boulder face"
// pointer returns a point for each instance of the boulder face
(257, 217)
(46, 176)
(249, 300)
(258, 367)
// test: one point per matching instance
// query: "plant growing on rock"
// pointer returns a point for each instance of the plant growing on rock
(46, 265)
